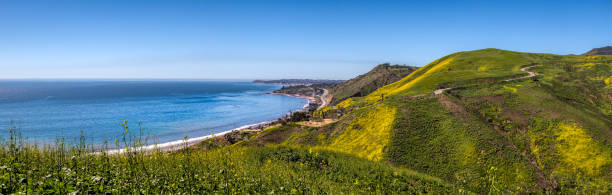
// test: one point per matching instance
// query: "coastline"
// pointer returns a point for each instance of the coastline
(179, 144)
(309, 98)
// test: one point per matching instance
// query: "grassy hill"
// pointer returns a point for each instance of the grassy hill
(493, 130)
(547, 133)
(599, 51)
(363, 85)
(462, 66)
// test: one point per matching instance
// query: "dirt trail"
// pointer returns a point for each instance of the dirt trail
(440, 91)
(524, 69)
(324, 99)
(317, 123)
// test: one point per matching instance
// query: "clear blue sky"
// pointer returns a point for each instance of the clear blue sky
(278, 39)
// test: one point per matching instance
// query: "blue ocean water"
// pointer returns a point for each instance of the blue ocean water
(169, 110)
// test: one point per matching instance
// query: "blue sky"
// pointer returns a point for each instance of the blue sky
(278, 39)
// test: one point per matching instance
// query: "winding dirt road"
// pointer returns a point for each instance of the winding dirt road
(524, 69)
(324, 99)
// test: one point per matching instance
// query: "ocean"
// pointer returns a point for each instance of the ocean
(47, 110)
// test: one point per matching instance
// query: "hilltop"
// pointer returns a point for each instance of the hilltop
(299, 81)
(599, 51)
(363, 85)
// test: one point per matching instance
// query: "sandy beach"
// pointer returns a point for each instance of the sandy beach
(310, 98)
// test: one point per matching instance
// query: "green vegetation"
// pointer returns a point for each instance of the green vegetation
(456, 147)
(346, 103)
(65, 168)
(365, 84)
(460, 66)
(486, 134)
(493, 128)
(492, 131)
(599, 51)
(367, 135)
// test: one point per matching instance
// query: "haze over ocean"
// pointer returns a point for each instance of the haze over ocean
(169, 110)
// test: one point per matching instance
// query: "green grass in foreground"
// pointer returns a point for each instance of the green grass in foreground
(66, 168)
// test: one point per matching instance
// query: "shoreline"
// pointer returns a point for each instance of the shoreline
(293, 95)
(179, 144)
(309, 98)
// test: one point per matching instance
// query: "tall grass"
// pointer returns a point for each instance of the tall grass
(68, 167)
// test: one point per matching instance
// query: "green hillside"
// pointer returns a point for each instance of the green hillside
(462, 66)
(599, 51)
(365, 84)
(495, 128)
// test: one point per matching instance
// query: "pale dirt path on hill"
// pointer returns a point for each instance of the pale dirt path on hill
(524, 69)
(325, 98)
(317, 123)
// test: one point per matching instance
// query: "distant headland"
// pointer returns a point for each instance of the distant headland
(306, 82)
